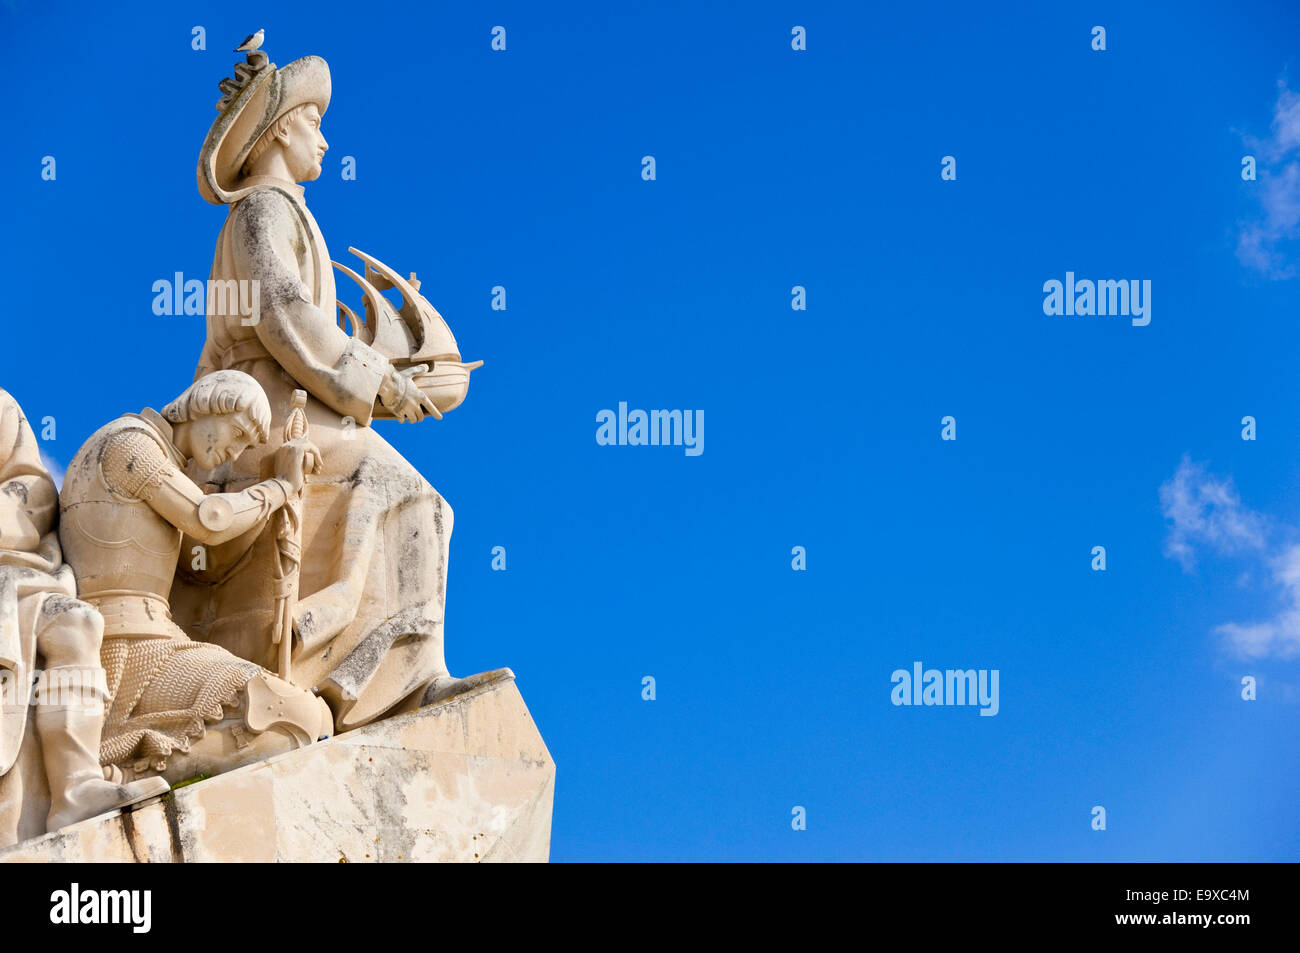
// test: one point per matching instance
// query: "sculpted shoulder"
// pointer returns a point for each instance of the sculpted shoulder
(270, 235)
(266, 209)
(12, 420)
(11, 417)
(124, 455)
(133, 464)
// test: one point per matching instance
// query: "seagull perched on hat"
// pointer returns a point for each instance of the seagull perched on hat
(251, 42)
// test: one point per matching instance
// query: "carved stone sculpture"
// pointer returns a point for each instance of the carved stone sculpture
(256, 524)
(368, 624)
(43, 624)
(180, 707)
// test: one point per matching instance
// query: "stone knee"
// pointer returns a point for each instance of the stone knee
(69, 633)
(442, 514)
(426, 508)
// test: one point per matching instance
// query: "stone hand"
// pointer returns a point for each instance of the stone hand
(296, 458)
(400, 394)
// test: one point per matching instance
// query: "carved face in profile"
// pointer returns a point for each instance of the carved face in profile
(304, 146)
(219, 438)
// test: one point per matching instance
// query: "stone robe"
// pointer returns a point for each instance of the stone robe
(375, 533)
(31, 572)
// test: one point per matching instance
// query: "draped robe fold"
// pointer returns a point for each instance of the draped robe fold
(31, 570)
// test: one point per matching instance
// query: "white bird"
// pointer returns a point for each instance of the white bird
(251, 42)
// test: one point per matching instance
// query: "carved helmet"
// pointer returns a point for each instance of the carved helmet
(250, 103)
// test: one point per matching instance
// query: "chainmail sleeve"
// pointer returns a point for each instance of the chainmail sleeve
(134, 466)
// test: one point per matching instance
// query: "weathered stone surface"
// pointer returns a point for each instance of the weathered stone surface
(469, 779)
(375, 535)
(257, 525)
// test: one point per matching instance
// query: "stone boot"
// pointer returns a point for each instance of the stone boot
(273, 717)
(69, 734)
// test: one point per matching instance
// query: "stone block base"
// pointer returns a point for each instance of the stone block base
(469, 779)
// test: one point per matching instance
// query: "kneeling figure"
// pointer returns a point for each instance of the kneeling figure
(179, 707)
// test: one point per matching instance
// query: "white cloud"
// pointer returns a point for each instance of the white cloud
(1278, 185)
(55, 468)
(1279, 636)
(1206, 510)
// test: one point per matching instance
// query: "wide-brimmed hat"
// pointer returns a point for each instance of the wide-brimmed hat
(257, 96)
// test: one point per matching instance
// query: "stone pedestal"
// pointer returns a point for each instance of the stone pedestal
(466, 780)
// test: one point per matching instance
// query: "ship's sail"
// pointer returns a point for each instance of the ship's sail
(381, 328)
(413, 334)
(430, 337)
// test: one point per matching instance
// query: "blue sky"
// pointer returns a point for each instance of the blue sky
(778, 168)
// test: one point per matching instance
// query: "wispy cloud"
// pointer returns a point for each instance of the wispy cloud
(55, 468)
(1261, 243)
(1279, 636)
(1204, 510)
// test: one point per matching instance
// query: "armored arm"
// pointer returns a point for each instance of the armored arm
(135, 467)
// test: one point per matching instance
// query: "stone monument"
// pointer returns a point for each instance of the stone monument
(255, 576)
(60, 708)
